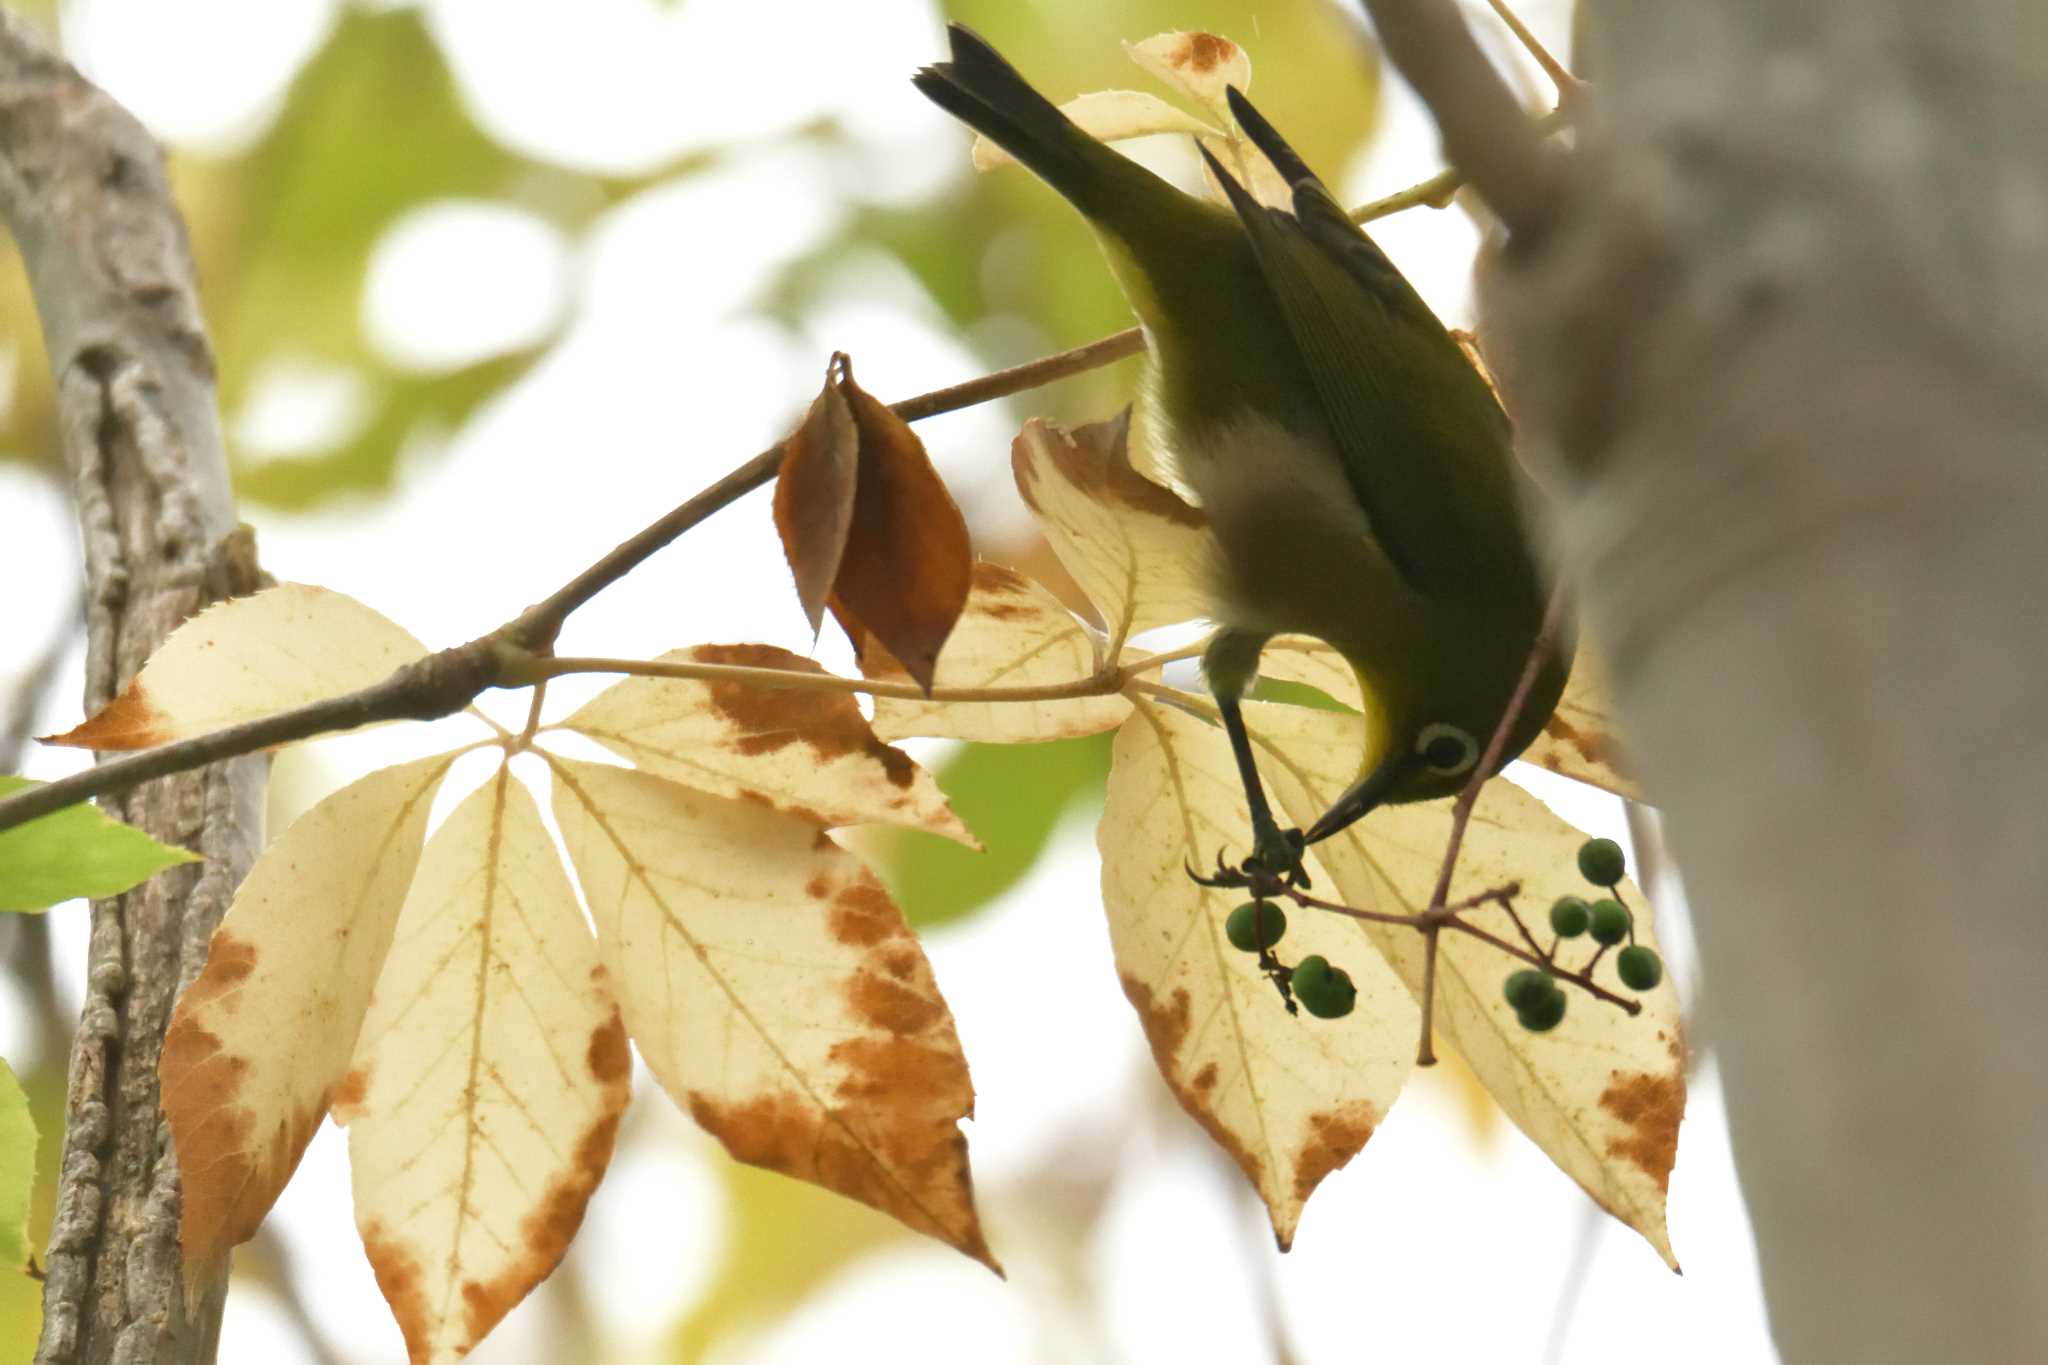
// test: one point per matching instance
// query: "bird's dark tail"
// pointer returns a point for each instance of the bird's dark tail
(988, 95)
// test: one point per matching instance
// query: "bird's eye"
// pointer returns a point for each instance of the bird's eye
(1446, 749)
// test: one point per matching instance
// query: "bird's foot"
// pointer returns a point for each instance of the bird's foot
(1274, 866)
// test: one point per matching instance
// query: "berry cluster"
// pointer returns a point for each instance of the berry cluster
(1534, 993)
(1322, 990)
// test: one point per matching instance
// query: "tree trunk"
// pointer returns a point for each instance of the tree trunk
(83, 189)
(1786, 349)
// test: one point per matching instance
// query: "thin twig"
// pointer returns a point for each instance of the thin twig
(1461, 812)
(1486, 132)
(1568, 85)
(1096, 685)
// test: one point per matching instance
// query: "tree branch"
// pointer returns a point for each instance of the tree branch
(82, 188)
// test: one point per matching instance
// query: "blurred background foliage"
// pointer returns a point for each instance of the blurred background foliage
(376, 127)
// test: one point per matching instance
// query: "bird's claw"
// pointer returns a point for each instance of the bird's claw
(1274, 866)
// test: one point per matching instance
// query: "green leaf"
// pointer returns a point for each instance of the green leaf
(17, 1169)
(1012, 796)
(77, 851)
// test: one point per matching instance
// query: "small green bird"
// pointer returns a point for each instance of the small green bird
(1355, 468)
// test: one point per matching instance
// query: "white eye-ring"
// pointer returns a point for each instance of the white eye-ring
(1446, 749)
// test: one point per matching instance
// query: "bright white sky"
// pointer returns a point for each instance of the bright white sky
(1428, 1246)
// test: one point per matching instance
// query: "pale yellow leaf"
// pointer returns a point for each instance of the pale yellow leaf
(1301, 659)
(283, 647)
(1603, 1093)
(805, 752)
(1250, 168)
(776, 993)
(1013, 634)
(488, 1082)
(1200, 65)
(1291, 1098)
(1144, 557)
(260, 1039)
(1580, 740)
(1107, 116)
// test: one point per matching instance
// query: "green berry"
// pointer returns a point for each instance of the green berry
(1570, 916)
(1640, 968)
(1600, 861)
(1327, 994)
(1610, 921)
(1543, 1015)
(1526, 987)
(1253, 921)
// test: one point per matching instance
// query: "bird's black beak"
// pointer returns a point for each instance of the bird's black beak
(1365, 794)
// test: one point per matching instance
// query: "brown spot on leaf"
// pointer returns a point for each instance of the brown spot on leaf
(889, 1005)
(1166, 1028)
(129, 721)
(1650, 1107)
(232, 1171)
(1205, 1079)
(229, 962)
(609, 1058)
(996, 581)
(772, 718)
(863, 915)
(545, 1233)
(403, 1285)
(925, 1186)
(345, 1096)
(1205, 52)
(1334, 1137)
(818, 888)
(1591, 745)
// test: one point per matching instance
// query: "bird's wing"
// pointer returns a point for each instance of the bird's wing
(1424, 446)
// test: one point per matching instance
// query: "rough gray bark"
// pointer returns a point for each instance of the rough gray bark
(82, 188)
(1787, 344)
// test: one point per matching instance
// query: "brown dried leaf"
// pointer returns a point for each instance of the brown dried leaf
(1012, 634)
(487, 1086)
(246, 658)
(805, 752)
(776, 993)
(259, 1041)
(1144, 557)
(905, 575)
(1289, 1097)
(814, 497)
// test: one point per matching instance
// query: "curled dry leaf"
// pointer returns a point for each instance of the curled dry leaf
(1289, 1097)
(1144, 557)
(1107, 116)
(1202, 66)
(902, 575)
(1013, 634)
(240, 660)
(776, 993)
(814, 492)
(1603, 1093)
(488, 1082)
(260, 1039)
(805, 752)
